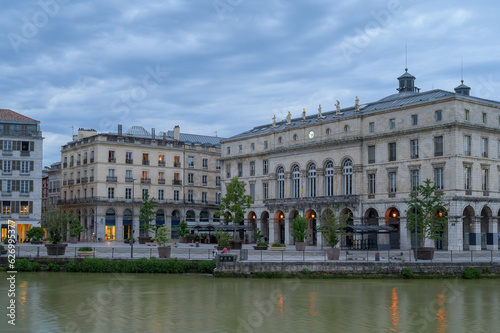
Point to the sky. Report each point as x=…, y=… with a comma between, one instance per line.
x=221, y=67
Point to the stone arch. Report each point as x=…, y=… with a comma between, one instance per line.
x=264, y=225
x=110, y=224
x=486, y=227
x=468, y=218
x=392, y=219
x=371, y=216
x=279, y=227
x=190, y=217
x=312, y=232
x=204, y=216
x=127, y=223
x=160, y=218
x=174, y=221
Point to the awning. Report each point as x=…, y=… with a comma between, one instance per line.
x=362, y=229
x=209, y=227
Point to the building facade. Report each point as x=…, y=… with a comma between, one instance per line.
x=367, y=158
x=53, y=184
x=106, y=175
x=21, y=145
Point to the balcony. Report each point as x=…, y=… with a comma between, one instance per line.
x=71, y=164
x=65, y=165
x=6, y=152
x=65, y=182
x=145, y=180
x=145, y=162
x=111, y=179
x=177, y=164
x=85, y=180
x=162, y=164
x=25, y=153
x=84, y=161
x=71, y=182
x=323, y=200
x=129, y=180
x=129, y=161
x=176, y=182
x=91, y=160
x=78, y=180
x=161, y=181
x=91, y=178
x=6, y=194
x=78, y=162
x=112, y=160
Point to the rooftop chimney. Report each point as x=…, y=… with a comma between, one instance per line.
x=177, y=132
x=119, y=130
x=153, y=133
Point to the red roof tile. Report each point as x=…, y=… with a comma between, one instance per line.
x=9, y=115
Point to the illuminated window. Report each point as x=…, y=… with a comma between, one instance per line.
x=23, y=210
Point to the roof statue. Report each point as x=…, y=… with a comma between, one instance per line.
x=338, y=108
x=303, y=115
x=289, y=119
x=356, y=104
x=320, y=116
x=274, y=121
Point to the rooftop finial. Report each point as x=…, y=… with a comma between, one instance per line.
x=406, y=57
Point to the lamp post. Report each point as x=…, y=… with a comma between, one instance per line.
x=132, y=226
x=416, y=230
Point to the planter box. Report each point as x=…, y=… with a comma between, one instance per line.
x=56, y=249
x=164, y=252
x=143, y=240
x=73, y=239
x=36, y=242
x=333, y=253
x=424, y=253
x=151, y=243
x=85, y=253
x=235, y=244
x=300, y=246
x=260, y=248
x=281, y=248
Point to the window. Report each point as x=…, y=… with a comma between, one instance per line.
x=24, y=209
x=415, y=179
x=414, y=148
x=145, y=193
x=371, y=154
x=7, y=146
x=280, y=188
x=467, y=115
x=439, y=178
x=484, y=147
x=111, y=175
x=205, y=163
x=371, y=183
x=190, y=196
x=7, y=167
x=145, y=177
x=328, y=131
x=438, y=146
x=252, y=146
x=467, y=145
x=161, y=195
x=346, y=128
x=280, y=139
x=176, y=195
x=240, y=169
x=217, y=181
x=25, y=186
x=204, y=180
x=414, y=119
x=392, y=123
x=128, y=176
x=128, y=194
x=240, y=148
x=329, y=179
x=6, y=207
x=204, y=197
x=217, y=165
x=484, y=177
x=392, y=182
x=145, y=159
x=111, y=157
x=6, y=186
x=296, y=181
x=265, y=168
x=295, y=137
x=347, y=177
x=439, y=115
x=111, y=193
x=161, y=160
x=228, y=171
x=217, y=198
x=392, y=151
x=161, y=177
x=191, y=162
x=467, y=178
x=91, y=156
x=229, y=150
x=266, y=145
x=265, y=188
x=311, y=180
x=252, y=191
x=252, y=168
x=484, y=118
x=190, y=178
x=177, y=161
x=372, y=127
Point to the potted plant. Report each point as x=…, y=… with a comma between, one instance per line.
x=128, y=240
x=246, y=238
x=299, y=231
x=278, y=247
x=56, y=222
x=233, y=206
x=75, y=228
x=162, y=238
x=147, y=215
x=222, y=239
x=430, y=219
x=260, y=245
x=85, y=251
x=3, y=250
x=183, y=231
x=36, y=235
x=333, y=227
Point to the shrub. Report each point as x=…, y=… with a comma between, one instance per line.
x=277, y=245
x=85, y=248
x=471, y=273
x=35, y=234
x=407, y=273
x=305, y=271
x=72, y=266
x=53, y=267
x=24, y=265
x=206, y=266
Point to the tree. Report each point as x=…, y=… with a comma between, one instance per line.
x=56, y=222
x=36, y=234
x=75, y=228
x=431, y=213
x=333, y=226
x=147, y=213
x=162, y=236
x=183, y=229
x=299, y=228
x=234, y=203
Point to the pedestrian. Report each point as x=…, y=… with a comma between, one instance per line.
x=215, y=252
x=224, y=250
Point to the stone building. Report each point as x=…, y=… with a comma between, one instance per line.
x=367, y=158
x=53, y=184
x=106, y=175
x=21, y=172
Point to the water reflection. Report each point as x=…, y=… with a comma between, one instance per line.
x=63, y=302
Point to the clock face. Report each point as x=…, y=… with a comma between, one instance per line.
x=311, y=134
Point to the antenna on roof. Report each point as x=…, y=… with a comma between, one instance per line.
x=462, y=69
x=215, y=133
x=406, y=56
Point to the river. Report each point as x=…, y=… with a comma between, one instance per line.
x=82, y=302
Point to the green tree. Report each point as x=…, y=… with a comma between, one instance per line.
x=234, y=203
x=35, y=234
x=333, y=226
x=431, y=214
x=299, y=228
x=147, y=214
x=162, y=236
x=56, y=222
x=183, y=229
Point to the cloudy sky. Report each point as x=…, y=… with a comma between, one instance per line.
x=226, y=66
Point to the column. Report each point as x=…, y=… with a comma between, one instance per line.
x=271, y=231
x=492, y=235
x=475, y=234
x=288, y=238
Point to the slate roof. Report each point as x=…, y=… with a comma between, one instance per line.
x=390, y=102
x=9, y=115
x=195, y=139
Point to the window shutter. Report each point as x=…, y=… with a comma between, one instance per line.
x=32, y=146
x=16, y=145
x=30, y=207
x=15, y=185
x=16, y=165
x=15, y=207
x=31, y=186
x=0, y=184
x=1, y=164
x=1, y=144
x=32, y=165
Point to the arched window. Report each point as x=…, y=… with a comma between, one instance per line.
x=329, y=178
x=347, y=177
x=190, y=216
x=160, y=217
x=204, y=216
x=328, y=131
x=280, y=188
x=346, y=128
x=295, y=137
x=295, y=181
x=311, y=180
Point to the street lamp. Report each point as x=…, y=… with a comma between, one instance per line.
x=132, y=226
x=416, y=230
